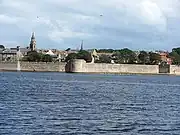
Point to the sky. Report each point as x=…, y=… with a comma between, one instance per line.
x=62, y=24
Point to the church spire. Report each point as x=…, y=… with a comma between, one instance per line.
x=81, y=46
x=33, y=42
x=33, y=36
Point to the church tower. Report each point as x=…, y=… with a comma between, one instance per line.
x=81, y=46
x=33, y=42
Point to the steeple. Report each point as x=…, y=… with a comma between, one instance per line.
x=33, y=36
x=81, y=46
x=33, y=42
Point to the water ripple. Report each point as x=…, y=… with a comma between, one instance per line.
x=53, y=103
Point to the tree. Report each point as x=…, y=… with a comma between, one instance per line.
x=105, y=51
x=2, y=47
x=175, y=57
x=46, y=58
x=33, y=56
x=80, y=55
x=154, y=58
x=71, y=56
x=103, y=59
x=143, y=57
x=84, y=55
x=125, y=56
x=177, y=50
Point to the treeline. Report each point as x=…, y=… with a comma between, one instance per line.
x=126, y=56
x=80, y=55
x=34, y=56
x=122, y=56
x=175, y=56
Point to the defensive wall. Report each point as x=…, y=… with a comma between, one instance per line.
x=80, y=66
x=175, y=69
x=34, y=66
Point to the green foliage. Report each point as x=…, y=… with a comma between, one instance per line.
x=154, y=58
x=71, y=56
x=105, y=51
x=177, y=50
x=125, y=56
x=80, y=55
x=143, y=57
x=84, y=55
x=175, y=55
x=103, y=59
x=34, y=56
x=46, y=58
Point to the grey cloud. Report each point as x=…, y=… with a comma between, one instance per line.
x=136, y=24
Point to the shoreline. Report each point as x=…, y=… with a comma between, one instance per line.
x=11, y=70
x=100, y=73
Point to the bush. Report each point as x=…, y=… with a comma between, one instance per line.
x=80, y=55
x=46, y=58
x=34, y=56
x=103, y=59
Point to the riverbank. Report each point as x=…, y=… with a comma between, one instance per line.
x=79, y=66
x=33, y=66
x=110, y=73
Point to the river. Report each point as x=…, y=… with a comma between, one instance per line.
x=59, y=103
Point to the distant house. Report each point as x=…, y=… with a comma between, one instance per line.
x=165, y=58
x=23, y=51
x=169, y=61
x=51, y=54
x=9, y=54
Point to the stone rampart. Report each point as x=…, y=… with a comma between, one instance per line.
x=80, y=66
x=34, y=66
x=174, y=69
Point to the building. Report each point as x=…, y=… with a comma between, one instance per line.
x=165, y=58
x=10, y=54
x=32, y=44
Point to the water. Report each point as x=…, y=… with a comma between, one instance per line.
x=57, y=103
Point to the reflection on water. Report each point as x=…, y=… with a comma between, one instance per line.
x=56, y=103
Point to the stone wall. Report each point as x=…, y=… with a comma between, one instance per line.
x=8, y=66
x=122, y=68
x=175, y=70
x=80, y=66
x=33, y=66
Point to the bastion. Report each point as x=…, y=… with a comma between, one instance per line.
x=80, y=66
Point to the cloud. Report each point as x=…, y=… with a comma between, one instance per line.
x=148, y=24
x=4, y=19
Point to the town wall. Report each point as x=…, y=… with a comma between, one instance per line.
x=78, y=66
x=174, y=69
x=34, y=66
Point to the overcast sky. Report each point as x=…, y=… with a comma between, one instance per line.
x=136, y=24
